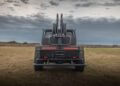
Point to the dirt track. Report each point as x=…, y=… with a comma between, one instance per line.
x=16, y=69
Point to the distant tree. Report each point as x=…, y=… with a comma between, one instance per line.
x=114, y=45
x=25, y=43
x=12, y=42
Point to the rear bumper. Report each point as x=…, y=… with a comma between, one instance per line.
x=50, y=64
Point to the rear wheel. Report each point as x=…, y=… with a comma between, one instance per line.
x=38, y=68
x=80, y=68
x=37, y=55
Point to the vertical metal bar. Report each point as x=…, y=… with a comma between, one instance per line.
x=57, y=22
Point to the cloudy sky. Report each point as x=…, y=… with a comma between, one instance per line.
x=95, y=21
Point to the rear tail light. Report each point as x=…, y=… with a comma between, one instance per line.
x=74, y=57
x=70, y=48
x=48, y=48
x=44, y=57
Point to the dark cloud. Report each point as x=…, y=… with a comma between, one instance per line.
x=44, y=6
x=25, y=1
x=80, y=0
x=21, y=23
x=88, y=30
x=84, y=0
x=78, y=5
x=116, y=0
x=11, y=8
x=17, y=5
x=111, y=4
x=1, y=4
x=108, y=4
x=88, y=4
x=23, y=29
x=11, y=1
x=74, y=0
x=53, y=3
x=95, y=31
x=107, y=8
x=71, y=11
x=61, y=0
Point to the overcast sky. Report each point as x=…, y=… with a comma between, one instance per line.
x=95, y=21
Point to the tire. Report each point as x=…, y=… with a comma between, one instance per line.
x=37, y=55
x=80, y=68
x=38, y=68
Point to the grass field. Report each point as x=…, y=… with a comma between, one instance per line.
x=16, y=69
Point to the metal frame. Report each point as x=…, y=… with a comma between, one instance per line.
x=59, y=64
x=58, y=58
x=50, y=63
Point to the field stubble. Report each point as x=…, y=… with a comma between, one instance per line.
x=16, y=69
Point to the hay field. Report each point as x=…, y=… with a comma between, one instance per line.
x=16, y=69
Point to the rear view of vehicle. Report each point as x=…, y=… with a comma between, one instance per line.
x=59, y=48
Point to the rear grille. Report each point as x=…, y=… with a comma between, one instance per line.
x=59, y=54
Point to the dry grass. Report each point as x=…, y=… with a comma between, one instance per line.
x=16, y=69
